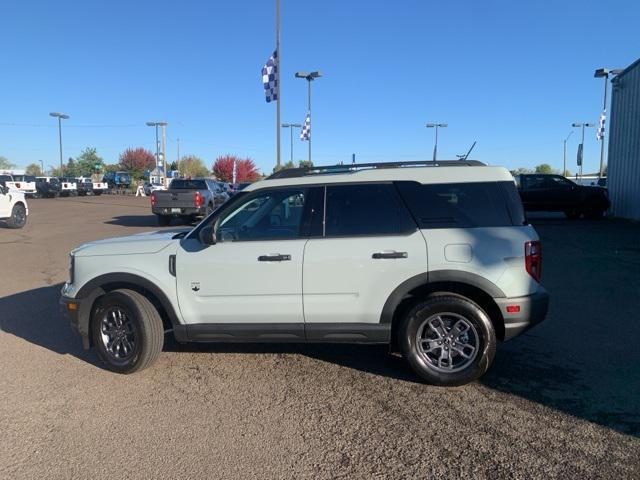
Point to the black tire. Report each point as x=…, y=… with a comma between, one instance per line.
x=97, y=193
x=18, y=218
x=164, y=220
x=450, y=309
x=144, y=332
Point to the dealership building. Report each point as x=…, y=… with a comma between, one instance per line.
x=623, y=171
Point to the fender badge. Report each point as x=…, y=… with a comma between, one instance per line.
x=195, y=286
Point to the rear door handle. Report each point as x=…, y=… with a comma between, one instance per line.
x=393, y=254
x=275, y=257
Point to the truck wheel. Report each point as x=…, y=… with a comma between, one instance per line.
x=448, y=340
x=18, y=218
x=127, y=331
x=164, y=220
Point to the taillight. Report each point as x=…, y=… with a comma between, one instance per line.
x=198, y=199
x=153, y=199
x=533, y=259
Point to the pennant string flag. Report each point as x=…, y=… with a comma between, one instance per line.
x=305, y=133
x=270, y=78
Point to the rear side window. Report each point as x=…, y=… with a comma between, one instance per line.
x=367, y=209
x=462, y=205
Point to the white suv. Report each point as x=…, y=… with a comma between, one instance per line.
x=13, y=206
x=435, y=260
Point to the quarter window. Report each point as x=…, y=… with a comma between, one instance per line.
x=462, y=205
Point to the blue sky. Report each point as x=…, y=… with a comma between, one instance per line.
x=512, y=75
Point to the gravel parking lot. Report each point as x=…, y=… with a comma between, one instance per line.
x=563, y=400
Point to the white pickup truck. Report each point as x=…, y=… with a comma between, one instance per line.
x=23, y=183
x=13, y=207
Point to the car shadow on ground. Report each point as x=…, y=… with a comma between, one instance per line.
x=525, y=367
x=35, y=317
x=150, y=221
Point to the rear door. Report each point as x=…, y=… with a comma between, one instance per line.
x=369, y=246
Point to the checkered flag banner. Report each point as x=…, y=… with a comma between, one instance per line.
x=270, y=78
x=603, y=120
x=305, y=133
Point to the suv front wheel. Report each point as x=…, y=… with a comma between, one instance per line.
x=448, y=340
x=127, y=331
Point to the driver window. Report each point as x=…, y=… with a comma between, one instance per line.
x=273, y=215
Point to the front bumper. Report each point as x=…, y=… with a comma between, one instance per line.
x=531, y=310
x=77, y=312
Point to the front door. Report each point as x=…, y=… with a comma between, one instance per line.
x=253, y=274
x=369, y=247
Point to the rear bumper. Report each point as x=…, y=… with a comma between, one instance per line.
x=183, y=211
x=531, y=310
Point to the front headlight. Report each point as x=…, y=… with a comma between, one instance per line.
x=72, y=267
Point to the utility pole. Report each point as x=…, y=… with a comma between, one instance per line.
x=435, y=146
x=279, y=99
x=564, y=161
x=164, y=152
x=60, y=116
x=580, y=157
x=309, y=77
x=291, y=126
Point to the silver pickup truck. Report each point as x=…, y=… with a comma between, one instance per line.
x=187, y=198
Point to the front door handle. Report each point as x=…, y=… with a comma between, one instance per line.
x=392, y=254
x=274, y=257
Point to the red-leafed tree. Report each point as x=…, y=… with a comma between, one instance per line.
x=246, y=170
x=136, y=161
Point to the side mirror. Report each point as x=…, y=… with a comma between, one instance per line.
x=208, y=236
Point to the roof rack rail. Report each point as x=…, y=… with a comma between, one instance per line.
x=355, y=167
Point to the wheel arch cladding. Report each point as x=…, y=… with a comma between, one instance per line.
x=98, y=286
x=465, y=284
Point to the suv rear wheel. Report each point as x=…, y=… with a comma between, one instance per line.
x=448, y=340
x=127, y=331
x=18, y=217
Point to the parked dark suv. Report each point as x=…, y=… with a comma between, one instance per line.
x=555, y=193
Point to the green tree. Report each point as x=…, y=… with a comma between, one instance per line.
x=305, y=164
x=192, y=166
x=71, y=169
x=34, y=169
x=87, y=161
x=567, y=173
x=5, y=164
x=544, y=168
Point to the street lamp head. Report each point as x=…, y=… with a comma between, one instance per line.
x=430, y=125
x=443, y=125
x=308, y=76
x=59, y=115
x=575, y=124
x=296, y=125
x=151, y=124
x=315, y=74
x=302, y=74
x=286, y=125
x=589, y=124
x=602, y=72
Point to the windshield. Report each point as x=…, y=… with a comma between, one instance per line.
x=188, y=185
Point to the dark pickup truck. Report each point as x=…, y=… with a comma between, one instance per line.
x=187, y=198
x=555, y=193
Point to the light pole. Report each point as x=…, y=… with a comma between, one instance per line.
x=564, y=161
x=581, y=146
x=60, y=116
x=604, y=73
x=164, y=160
x=41, y=167
x=309, y=77
x=291, y=126
x=435, y=146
